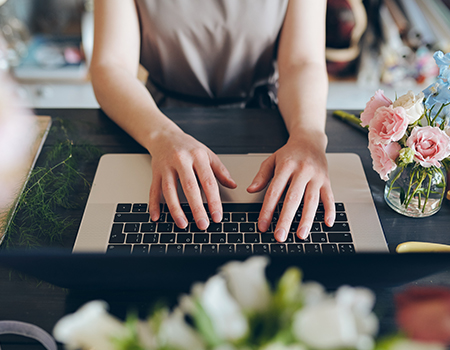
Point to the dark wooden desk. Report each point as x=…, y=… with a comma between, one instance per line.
x=25, y=299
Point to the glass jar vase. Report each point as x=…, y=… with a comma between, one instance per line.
x=416, y=191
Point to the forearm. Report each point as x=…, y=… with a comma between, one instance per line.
x=302, y=97
x=127, y=101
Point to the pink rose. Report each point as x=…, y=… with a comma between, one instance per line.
x=423, y=313
x=376, y=101
x=383, y=158
x=388, y=125
x=430, y=145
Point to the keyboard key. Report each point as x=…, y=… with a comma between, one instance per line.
x=201, y=238
x=151, y=238
x=243, y=248
x=290, y=238
x=219, y=238
x=117, y=238
x=346, y=248
x=192, y=249
x=316, y=227
x=174, y=249
x=139, y=208
x=132, y=217
x=337, y=227
x=329, y=249
x=167, y=238
x=226, y=217
x=235, y=238
x=341, y=216
x=177, y=229
x=148, y=227
x=209, y=249
x=319, y=237
x=278, y=248
x=119, y=249
x=261, y=249
x=140, y=249
x=252, y=237
x=252, y=217
x=164, y=227
x=340, y=237
x=238, y=217
x=194, y=228
x=184, y=238
x=226, y=248
x=117, y=228
x=123, y=208
x=230, y=227
x=132, y=227
x=214, y=227
x=268, y=238
x=157, y=249
x=312, y=249
x=248, y=227
x=295, y=248
x=339, y=206
x=134, y=238
x=306, y=240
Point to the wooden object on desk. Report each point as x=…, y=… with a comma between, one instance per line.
x=43, y=124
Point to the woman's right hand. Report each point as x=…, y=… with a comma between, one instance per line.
x=178, y=156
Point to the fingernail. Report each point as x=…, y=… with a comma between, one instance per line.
x=154, y=216
x=263, y=225
x=303, y=233
x=280, y=234
x=181, y=222
x=202, y=224
x=329, y=221
x=216, y=216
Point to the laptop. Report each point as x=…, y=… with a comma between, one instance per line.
x=116, y=218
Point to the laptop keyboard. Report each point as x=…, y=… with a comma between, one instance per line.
x=133, y=232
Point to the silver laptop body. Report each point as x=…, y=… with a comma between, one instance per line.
x=126, y=178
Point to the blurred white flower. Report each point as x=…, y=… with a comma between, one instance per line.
x=343, y=321
x=281, y=346
x=313, y=293
x=247, y=283
x=413, y=105
x=174, y=332
x=407, y=344
x=91, y=327
x=225, y=313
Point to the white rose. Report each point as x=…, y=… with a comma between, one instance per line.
x=413, y=105
x=247, y=282
x=174, y=332
x=343, y=321
x=90, y=327
x=225, y=313
x=407, y=344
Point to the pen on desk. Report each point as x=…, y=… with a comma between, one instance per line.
x=350, y=119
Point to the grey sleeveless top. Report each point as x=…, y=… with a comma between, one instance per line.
x=210, y=49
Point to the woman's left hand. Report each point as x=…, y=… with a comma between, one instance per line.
x=299, y=169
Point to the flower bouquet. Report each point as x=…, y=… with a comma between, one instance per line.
x=238, y=310
x=409, y=141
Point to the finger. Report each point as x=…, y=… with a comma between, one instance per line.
x=211, y=190
x=193, y=195
x=326, y=194
x=263, y=176
x=291, y=203
x=169, y=189
x=310, y=204
x=221, y=172
x=271, y=199
x=155, y=198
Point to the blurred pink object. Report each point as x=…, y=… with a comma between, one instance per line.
x=423, y=313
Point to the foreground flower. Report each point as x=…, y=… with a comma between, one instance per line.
x=384, y=157
x=247, y=283
x=91, y=327
x=412, y=104
x=376, y=101
x=443, y=62
x=388, y=125
x=430, y=145
x=345, y=321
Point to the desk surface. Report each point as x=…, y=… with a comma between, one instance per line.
x=25, y=299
